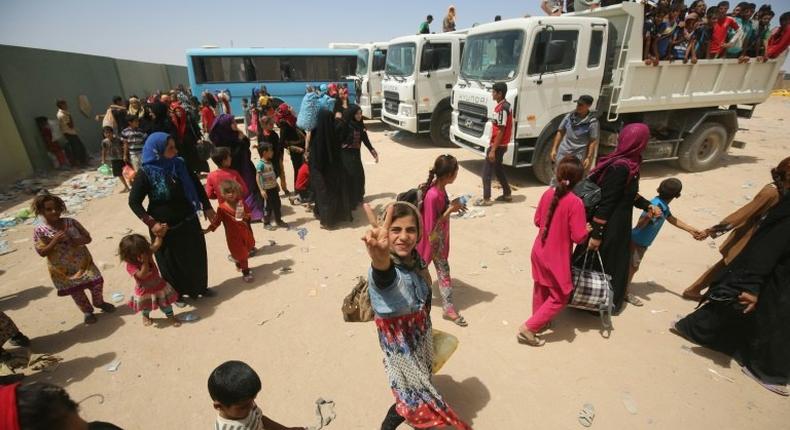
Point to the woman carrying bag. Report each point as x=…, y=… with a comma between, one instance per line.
x=618, y=176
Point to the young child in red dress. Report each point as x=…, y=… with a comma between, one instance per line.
x=222, y=158
x=234, y=214
x=150, y=290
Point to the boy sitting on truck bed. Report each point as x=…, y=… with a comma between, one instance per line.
x=720, y=25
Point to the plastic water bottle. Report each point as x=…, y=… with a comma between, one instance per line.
x=239, y=211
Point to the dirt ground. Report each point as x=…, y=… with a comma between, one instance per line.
x=288, y=326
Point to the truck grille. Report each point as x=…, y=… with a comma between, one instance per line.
x=472, y=118
x=391, y=102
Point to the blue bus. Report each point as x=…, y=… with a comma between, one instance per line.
x=284, y=72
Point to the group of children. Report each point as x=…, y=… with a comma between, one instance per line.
x=676, y=32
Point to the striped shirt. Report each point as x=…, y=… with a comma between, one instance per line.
x=135, y=138
x=253, y=421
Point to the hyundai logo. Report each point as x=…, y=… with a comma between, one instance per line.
x=468, y=123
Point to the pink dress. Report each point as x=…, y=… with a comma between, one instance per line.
x=551, y=260
x=151, y=292
x=437, y=233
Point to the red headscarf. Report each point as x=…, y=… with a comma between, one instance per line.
x=331, y=89
x=8, y=409
x=179, y=118
x=284, y=114
x=631, y=142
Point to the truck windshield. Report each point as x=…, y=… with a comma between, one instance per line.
x=492, y=56
x=400, y=59
x=362, y=62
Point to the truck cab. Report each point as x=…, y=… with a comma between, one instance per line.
x=419, y=77
x=370, y=72
x=548, y=62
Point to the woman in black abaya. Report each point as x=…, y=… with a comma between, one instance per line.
x=327, y=176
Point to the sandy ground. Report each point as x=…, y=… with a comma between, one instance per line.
x=305, y=350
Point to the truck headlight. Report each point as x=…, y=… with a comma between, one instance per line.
x=406, y=110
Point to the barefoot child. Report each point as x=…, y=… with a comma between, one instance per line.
x=62, y=241
x=647, y=228
x=561, y=221
x=233, y=386
x=435, y=244
x=150, y=290
x=234, y=214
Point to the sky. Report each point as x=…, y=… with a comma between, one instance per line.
x=160, y=31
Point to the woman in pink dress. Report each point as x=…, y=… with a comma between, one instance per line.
x=561, y=221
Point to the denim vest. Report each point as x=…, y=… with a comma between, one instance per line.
x=408, y=294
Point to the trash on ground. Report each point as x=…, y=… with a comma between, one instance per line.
x=5, y=248
x=285, y=270
x=727, y=378
x=301, y=232
x=587, y=415
x=503, y=251
x=630, y=404
x=658, y=311
x=504, y=322
x=483, y=265
x=312, y=293
x=279, y=314
x=113, y=366
x=188, y=317
x=324, y=412
x=117, y=297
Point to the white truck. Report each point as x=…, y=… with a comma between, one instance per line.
x=370, y=72
x=420, y=73
x=548, y=62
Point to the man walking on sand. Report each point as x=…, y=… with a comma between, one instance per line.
x=75, y=150
x=501, y=133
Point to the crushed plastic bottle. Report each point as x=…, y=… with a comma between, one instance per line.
x=301, y=232
x=188, y=317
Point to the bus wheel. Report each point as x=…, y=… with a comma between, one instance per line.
x=440, y=128
x=702, y=149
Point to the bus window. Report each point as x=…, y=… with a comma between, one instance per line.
x=379, y=60
x=267, y=68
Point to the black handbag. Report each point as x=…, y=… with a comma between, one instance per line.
x=590, y=193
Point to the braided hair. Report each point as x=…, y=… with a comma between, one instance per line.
x=569, y=173
x=444, y=165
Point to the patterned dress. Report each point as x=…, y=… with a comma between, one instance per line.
x=7, y=329
x=151, y=292
x=70, y=266
x=407, y=343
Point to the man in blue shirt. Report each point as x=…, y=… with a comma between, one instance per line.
x=647, y=228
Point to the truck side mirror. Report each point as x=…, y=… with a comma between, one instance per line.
x=555, y=51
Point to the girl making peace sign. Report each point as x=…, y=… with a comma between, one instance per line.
x=401, y=298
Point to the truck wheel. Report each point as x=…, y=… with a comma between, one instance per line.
x=440, y=128
x=542, y=167
x=702, y=149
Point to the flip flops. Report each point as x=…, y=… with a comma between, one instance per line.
x=458, y=320
x=634, y=300
x=774, y=388
x=525, y=340
x=587, y=415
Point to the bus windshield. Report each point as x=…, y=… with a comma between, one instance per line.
x=362, y=62
x=400, y=59
x=492, y=56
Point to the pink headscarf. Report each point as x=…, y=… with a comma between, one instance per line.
x=631, y=142
x=9, y=418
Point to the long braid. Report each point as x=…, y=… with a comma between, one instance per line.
x=559, y=193
x=569, y=173
x=431, y=176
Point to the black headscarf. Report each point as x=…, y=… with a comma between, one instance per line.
x=350, y=120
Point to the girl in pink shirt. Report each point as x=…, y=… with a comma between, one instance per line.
x=435, y=243
x=561, y=221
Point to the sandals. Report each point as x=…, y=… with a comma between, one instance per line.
x=634, y=300
x=774, y=388
x=483, y=202
x=90, y=319
x=531, y=341
x=545, y=328
x=458, y=320
x=505, y=199
x=587, y=415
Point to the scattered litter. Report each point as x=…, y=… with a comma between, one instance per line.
x=312, y=293
x=279, y=314
x=117, y=297
x=97, y=395
x=8, y=222
x=285, y=270
x=630, y=404
x=503, y=251
x=4, y=248
x=473, y=273
x=712, y=244
x=471, y=213
x=324, y=412
x=726, y=378
x=658, y=311
x=113, y=366
x=587, y=415
x=483, y=265
x=188, y=317
x=301, y=232
x=272, y=243
x=747, y=185
x=504, y=322
x=24, y=214
x=322, y=285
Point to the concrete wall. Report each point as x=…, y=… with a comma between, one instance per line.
x=14, y=163
x=32, y=79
